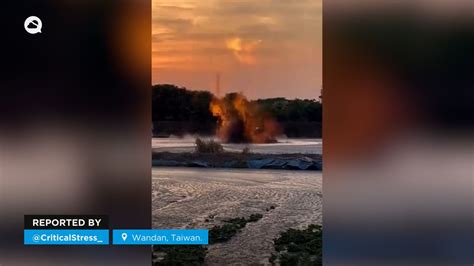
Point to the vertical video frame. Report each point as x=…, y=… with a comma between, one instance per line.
x=237, y=130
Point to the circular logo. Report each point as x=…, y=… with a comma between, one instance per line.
x=33, y=25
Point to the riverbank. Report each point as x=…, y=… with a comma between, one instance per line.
x=238, y=160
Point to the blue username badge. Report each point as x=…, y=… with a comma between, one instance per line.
x=66, y=237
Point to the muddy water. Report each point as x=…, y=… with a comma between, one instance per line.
x=202, y=198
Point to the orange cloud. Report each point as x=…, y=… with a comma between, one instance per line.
x=244, y=51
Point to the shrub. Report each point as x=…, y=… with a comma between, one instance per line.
x=223, y=233
x=299, y=247
x=255, y=217
x=180, y=255
x=241, y=222
x=210, y=146
x=230, y=228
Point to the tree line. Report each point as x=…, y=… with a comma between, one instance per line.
x=173, y=103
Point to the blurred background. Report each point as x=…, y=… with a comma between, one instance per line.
x=75, y=128
x=74, y=123
x=398, y=148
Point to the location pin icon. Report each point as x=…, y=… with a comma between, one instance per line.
x=124, y=236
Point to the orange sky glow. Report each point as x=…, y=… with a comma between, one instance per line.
x=265, y=48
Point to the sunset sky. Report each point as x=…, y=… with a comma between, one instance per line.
x=264, y=48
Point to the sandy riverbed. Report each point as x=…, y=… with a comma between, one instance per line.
x=202, y=198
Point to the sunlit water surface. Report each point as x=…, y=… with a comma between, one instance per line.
x=287, y=145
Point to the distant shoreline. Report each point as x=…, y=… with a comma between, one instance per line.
x=238, y=160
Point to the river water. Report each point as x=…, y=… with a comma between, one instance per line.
x=284, y=145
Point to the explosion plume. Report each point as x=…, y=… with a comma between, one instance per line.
x=242, y=121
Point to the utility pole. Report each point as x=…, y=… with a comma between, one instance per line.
x=218, y=84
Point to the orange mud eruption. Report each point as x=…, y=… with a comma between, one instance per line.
x=242, y=121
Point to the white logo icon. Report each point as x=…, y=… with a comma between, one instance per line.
x=33, y=25
x=124, y=236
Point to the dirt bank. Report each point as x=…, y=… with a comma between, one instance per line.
x=238, y=160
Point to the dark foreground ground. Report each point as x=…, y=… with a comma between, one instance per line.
x=238, y=160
